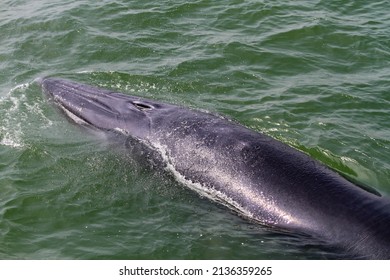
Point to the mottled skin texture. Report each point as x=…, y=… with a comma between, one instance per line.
x=261, y=178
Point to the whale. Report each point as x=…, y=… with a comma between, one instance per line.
x=261, y=179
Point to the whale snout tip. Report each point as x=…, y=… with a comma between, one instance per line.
x=39, y=80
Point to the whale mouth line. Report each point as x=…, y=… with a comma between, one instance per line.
x=76, y=118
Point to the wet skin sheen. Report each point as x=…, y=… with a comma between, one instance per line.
x=262, y=179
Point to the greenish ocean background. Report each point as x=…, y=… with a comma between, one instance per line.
x=312, y=74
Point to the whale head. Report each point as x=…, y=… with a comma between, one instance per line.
x=103, y=109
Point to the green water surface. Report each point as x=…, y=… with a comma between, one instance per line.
x=312, y=74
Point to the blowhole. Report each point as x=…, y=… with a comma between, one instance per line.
x=142, y=106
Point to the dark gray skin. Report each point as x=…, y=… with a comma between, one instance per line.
x=259, y=177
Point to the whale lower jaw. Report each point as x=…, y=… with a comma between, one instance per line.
x=73, y=117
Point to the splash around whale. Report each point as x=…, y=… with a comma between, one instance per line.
x=262, y=179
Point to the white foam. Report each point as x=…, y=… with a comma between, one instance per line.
x=11, y=134
x=21, y=113
x=122, y=131
x=11, y=141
